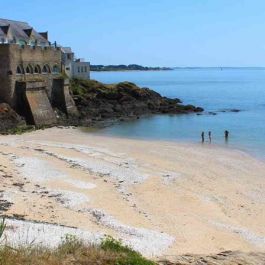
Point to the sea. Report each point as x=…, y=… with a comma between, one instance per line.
x=217, y=90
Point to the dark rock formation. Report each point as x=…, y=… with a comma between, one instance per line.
x=100, y=105
x=98, y=102
x=9, y=119
x=230, y=110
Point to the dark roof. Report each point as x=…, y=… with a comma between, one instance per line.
x=11, y=29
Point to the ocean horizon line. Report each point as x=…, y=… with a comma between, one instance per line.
x=218, y=67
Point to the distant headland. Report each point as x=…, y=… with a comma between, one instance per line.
x=123, y=67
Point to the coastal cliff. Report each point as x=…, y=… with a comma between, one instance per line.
x=98, y=102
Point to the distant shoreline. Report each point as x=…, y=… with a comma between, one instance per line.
x=151, y=70
x=130, y=67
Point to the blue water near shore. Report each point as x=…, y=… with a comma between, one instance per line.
x=215, y=90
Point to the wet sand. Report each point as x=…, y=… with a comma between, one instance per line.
x=161, y=198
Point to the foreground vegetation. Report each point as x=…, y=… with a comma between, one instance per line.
x=71, y=251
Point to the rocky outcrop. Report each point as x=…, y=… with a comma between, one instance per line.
x=95, y=104
x=98, y=102
x=223, y=258
x=9, y=119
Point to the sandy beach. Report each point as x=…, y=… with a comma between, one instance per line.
x=161, y=198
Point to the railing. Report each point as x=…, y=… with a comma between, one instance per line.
x=44, y=47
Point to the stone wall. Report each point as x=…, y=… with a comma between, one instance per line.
x=47, y=60
x=71, y=108
x=61, y=97
x=5, y=77
x=31, y=82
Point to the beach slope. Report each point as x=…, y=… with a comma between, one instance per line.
x=161, y=198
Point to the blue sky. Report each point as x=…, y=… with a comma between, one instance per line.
x=151, y=32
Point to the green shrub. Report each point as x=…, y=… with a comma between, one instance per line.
x=2, y=227
x=70, y=244
x=22, y=129
x=128, y=255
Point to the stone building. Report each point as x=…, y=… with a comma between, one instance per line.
x=74, y=68
x=30, y=74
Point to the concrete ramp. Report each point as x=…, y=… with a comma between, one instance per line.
x=41, y=108
x=38, y=105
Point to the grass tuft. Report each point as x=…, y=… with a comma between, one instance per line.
x=73, y=251
x=127, y=255
x=2, y=227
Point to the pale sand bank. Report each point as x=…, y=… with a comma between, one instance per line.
x=161, y=198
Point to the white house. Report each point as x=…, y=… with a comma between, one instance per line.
x=81, y=69
x=74, y=68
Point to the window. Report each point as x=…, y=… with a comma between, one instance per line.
x=20, y=70
x=29, y=69
x=43, y=44
x=37, y=69
x=22, y=43
x=46, y=69
x=78, y=69
x=85, y=69
x=55, y=69
x=33, y=43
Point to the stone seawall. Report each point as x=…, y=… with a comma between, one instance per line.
x=35, y=63
x=61, y=98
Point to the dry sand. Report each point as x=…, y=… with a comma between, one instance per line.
x=161, y=198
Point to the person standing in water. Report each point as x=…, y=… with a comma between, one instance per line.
x=226, y=135
x=202, y=135
x=210, y=136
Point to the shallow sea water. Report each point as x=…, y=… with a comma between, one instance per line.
x=215, y=90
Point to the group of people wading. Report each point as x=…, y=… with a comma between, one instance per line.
x=210, y=136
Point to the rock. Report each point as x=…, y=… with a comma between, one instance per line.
x=230, y=110
x=9, y=119
x=122, y=101
x=101, y=105
x=235, y=110
x=199, y=109
x=212, y=113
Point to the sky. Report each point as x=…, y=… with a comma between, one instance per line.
x=151, y=32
